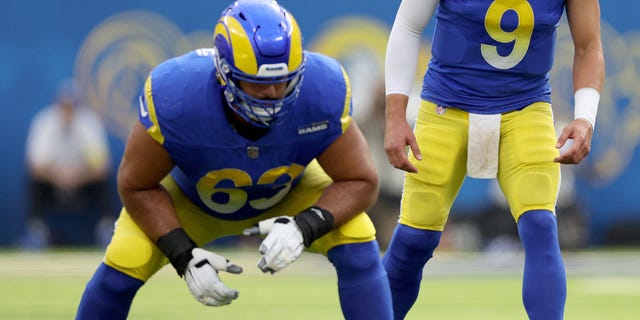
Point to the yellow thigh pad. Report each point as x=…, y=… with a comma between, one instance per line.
x=131, y=251
x=528, y=177
x=428, y=195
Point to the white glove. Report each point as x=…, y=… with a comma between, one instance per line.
x=283, y=244
x=202, y=278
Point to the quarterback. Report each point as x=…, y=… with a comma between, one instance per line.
x=252, y=136
x=486, y=113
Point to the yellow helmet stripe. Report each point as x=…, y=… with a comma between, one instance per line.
x=295, y=50
x=243, y=56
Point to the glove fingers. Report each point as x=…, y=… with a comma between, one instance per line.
x=218, y=297
x=281, y=247
x=266, y=244
x=269, y=261
x=208, y=301
x=284, y=257
x=234, y=268
x=213, y=300
x=265, y=226
x=262, y=264
x=272, y=252
x=224, y=293
x=221, y=263
x=206, y=287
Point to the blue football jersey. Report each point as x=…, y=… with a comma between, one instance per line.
x=492, y=56
x=225, y=174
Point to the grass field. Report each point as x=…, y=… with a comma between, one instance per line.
x=48, y=285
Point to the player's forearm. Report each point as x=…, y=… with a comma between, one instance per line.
x=346, y=199
x=144, y=164
x=396, y=107
x=588, y=61
x=151, y=209
x=588, y=68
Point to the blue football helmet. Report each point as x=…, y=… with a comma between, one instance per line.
x=258, y=41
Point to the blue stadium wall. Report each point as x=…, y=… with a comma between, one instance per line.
x=111, y=45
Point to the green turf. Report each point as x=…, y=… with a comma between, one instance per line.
x=49, y=285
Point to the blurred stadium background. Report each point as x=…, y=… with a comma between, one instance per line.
x=110, y=47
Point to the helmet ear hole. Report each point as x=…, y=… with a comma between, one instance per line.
x=258, y=41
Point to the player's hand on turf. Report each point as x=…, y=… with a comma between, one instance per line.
x=283, y=244
x=202, y=278
x=580, y=131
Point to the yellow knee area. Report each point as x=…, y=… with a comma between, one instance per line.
x=423, y=209
x=130, y=255
x=535, y=191
x=358, y=229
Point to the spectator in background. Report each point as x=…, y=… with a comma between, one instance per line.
x=68, y=163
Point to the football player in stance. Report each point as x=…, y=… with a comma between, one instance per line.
x=254, y=135
x=486, y=113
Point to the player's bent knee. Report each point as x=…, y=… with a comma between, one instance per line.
x=419, y=210
x=133, y=256
x=357, y=262
x=360, y=227
x=357, y=230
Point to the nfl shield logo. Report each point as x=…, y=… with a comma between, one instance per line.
x=440, y=109
x=252, y=152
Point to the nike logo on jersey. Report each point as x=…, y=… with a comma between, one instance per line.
x=143, y=111
x=314, y=127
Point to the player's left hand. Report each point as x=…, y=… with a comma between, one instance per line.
x=580, y=131
x=282, y=246
x=203, y=281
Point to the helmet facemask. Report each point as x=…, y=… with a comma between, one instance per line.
x=261, y=113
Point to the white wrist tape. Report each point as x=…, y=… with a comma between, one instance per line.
x=586, y=105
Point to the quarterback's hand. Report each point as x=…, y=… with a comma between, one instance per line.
x=399, y=134
x=580, y=132
x=202, y=278
x=283, y=244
